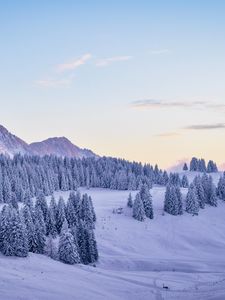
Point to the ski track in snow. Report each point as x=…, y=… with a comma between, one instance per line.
x=136, y=259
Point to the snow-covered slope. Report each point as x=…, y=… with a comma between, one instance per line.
x=137, y=259
x=11, y=144
x=59, y=146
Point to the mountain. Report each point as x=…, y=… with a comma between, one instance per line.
x=59, y=146
x=11, y=144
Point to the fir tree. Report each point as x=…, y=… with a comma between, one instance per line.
x=221, y=188
x=130, y=201
x=60, y=214
x=184, y=181
x=40, y=231
x=51, y=248
x=192, y=203
x=173, y=200
x=199, y=191
x=185, y=167
x=42, y=203
x=138, y=209
x=68, y=253
x=147, y=201
x=28, y=221
x=51, y=223
x=212, y=193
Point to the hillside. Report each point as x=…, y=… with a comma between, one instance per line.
x=59, y=146
x=184, y=253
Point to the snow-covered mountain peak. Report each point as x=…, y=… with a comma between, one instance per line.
x=59, y=146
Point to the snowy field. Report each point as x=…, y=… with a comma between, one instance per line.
x=136, y=259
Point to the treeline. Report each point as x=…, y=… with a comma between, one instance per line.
x=201, y=192
x=200, y=166
x=23, y=175
x=61, y=230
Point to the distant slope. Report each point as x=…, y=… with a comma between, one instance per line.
x=59, y=146
x=11, y=144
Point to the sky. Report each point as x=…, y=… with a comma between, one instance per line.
x=140, y=80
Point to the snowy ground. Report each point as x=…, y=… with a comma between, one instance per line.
x=184, y=253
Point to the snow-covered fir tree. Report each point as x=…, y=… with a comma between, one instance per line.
x=192, y=203
x=40, y=230
x=184, y=181
x=185, y=167
x=51, y=248
x=147, y=201
x=221, y=187
x=130, y=201
x=173, y=200
x=199, y=191
x=68, y=252
x=212, y=193
x=138, y=208
x=60, y=214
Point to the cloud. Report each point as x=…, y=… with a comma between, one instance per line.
x=151, y=104
x=54, y=83
x=168, y=134
x=74, y=64
x=108, y=61
x=159, y=51
x=206, y=126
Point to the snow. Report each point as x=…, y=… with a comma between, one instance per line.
x=184, y=253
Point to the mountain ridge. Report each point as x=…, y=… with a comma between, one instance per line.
x=10, y=145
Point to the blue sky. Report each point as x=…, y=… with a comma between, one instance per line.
x=143, y=80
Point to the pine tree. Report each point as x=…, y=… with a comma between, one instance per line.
x=138, y=209
x=173, y=200
x=199, y=191
x=130, y=201
x=194, y=164
x=179, y=200
x=13, y=235
x=71, y=215
x=94, y=217
x=60, y=215
x=185, y=167
x=147, y=201
x=40, y=231
x=184, y=181
x=42, y=203
x=51, y=248
x=92, y=251
x=51, y=223
x=86, y=213
x=82, y=241
x=221, y=188
x=29, y=227
x=7, y=191
x=192, y=203
x=68, y=252
x=65, y=227
x=212, y=193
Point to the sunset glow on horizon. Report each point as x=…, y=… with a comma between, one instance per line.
x=140, y=80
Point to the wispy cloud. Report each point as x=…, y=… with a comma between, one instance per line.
x=74, y=64
x=54, y=83
x=167, y=134
x=108, y=61
x=149, y=104
x=159, y=51
x=152, y=103
x=206, y=126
